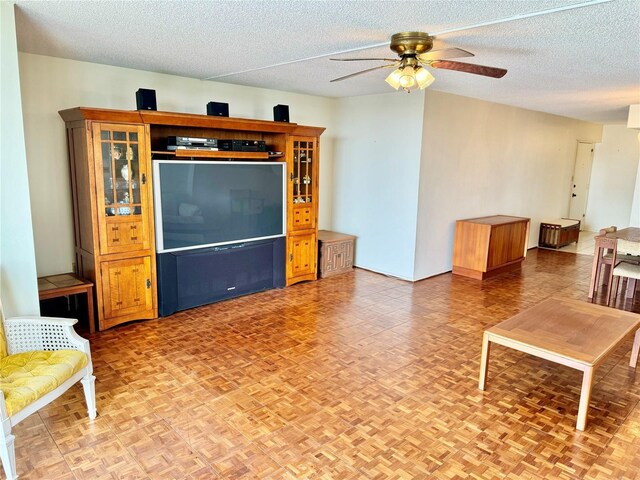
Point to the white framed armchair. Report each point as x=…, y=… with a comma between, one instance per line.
x=40, y=359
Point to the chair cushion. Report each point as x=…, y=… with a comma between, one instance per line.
x=628, y=270
x=26, y=377
x=623, y=257
x=562, y=222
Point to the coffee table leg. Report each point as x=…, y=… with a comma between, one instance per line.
x=484, y=360
x=636, y=349
x=585, y=396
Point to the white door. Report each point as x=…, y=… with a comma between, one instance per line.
x=581, y=179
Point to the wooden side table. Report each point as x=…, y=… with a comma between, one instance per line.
x=336, y=253
x=54, y=286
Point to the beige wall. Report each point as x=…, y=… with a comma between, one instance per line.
x=481, y=158
x=397, y=183
x=613, y=178
x=52, y=84
x=375, y=184
x=18, y=282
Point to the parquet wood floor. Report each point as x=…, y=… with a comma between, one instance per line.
x=357, y=376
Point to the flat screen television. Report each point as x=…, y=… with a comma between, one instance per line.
x=209, y=203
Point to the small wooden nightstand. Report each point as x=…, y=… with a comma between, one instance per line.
x=336, y=253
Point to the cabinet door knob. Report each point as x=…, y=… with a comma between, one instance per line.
x=143, y=179
x=291, y=257
x=148, y=283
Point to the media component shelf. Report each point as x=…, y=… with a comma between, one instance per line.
x=214, y=154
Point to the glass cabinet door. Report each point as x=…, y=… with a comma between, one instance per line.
x=121, y=187
x=303, y=176
x=121, y=172
x=303, y=196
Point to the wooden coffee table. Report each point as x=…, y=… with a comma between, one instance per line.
x=576, y=334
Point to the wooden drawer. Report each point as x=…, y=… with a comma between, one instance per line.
x=303, y=217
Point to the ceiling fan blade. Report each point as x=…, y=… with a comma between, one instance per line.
x=361, y=72
x=445, y=53
x=359, y=59
x=470, y=68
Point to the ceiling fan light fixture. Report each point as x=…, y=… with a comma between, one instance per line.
x=408, y=78
x=394, y=78
x=424, y=78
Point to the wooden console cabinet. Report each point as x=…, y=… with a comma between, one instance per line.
x=111, y=154
x=487, y=246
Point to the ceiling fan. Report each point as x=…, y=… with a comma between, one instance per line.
x=414, y=52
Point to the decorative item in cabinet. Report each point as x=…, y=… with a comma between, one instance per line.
x=487, y=246
x=336, y=251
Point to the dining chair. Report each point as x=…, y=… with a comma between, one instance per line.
x=611, y=229
x=606, y=254
x=626, y=269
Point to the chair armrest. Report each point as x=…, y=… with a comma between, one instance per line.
x=25, y=334
x=42, y=320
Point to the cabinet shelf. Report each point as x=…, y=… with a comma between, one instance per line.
x=214, y=154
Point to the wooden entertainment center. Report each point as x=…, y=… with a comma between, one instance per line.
x=111, y=154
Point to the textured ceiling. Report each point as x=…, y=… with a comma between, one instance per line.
x=582, y=63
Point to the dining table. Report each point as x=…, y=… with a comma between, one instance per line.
x=632, y=234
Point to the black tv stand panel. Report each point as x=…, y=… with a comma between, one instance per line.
x=190, y=278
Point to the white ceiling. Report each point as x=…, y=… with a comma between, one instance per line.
x=582, y=63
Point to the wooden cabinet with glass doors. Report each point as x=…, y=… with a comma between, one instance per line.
x=302, y=237
x=113, y=216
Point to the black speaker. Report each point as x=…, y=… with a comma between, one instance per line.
x=146, y=99
x=218, y=109
x=281, y=113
